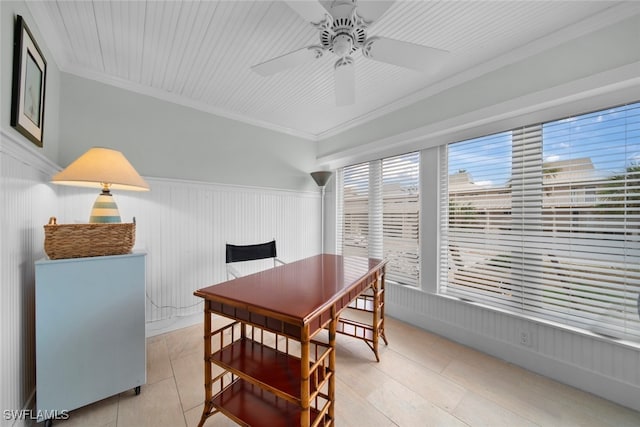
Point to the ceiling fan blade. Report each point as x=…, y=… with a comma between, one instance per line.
x=345, y=81
x=288, y=60
x=404, y=54
x=371, y=10
x=311, y=11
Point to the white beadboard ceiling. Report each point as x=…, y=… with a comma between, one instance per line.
x=199, y=53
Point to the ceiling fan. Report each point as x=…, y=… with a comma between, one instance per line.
x=343, y=30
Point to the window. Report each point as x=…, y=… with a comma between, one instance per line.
x=379, y=213
x=545, y=221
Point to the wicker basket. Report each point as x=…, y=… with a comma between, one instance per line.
x=87, y=240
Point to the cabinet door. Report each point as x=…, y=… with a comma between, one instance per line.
x=90, y=329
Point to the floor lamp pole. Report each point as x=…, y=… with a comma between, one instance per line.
x=321, y=178
x=321, y=220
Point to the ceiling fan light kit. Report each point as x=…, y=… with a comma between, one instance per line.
x=343, y=31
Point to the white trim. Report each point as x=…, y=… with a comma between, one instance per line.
x=597, y=91
x=236, y=188
x=591, y=24
x=30, y=403
x=26, y=152
x=586, y=26
x=57, y=48
x=181, y=100
x=163, y=326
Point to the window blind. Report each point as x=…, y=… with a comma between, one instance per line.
x=355, y=210
x=401, y=208
x=545, y=220
x=379, y=213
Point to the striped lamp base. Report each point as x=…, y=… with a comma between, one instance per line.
x=105, y=210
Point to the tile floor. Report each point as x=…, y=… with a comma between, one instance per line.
x=421, y=380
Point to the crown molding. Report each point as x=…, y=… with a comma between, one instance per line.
x=234, y=188
x=183, y=101
x=601, y=90
x=594, y=23
x=586, y=26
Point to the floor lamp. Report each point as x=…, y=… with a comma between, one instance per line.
x=321, y=178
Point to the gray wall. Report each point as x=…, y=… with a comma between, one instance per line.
x=9, y=10
x=166, y=140
x=607, y=49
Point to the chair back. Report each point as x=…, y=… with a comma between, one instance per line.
x=237, y=253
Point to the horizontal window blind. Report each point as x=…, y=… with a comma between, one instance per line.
x=379, y=213
x=355, y=214
x=545, y=220
x=400, y=222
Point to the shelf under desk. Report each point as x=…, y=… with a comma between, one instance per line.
x=263, y=384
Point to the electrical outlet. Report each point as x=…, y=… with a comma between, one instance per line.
x=525, y=338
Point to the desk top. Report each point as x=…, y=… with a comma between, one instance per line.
x=298, y=290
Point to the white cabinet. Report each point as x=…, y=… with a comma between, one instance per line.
x=90, y=330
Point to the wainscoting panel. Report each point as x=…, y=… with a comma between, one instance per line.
x=183, y=226
x=26, y=201
x=589, y=362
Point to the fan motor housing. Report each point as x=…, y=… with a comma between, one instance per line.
x=346, y=23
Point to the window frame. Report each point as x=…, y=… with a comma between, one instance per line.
x=514, y=303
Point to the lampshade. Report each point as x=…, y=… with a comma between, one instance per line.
x=102, y=165
x=102, y=168
x=321, y=177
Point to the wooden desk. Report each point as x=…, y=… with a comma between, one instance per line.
x=268, y=366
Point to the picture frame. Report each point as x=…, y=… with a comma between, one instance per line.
x=29, y=84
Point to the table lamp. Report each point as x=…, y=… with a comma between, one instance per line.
x=321, y=178
x=102, y=168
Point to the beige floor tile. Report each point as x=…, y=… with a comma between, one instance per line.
x=157, y=405
x=151, y=340
x=218, y=420
x=99, y=414
x=417, y=345
x=406, y=408
x=473, y=357
x=189, y=375
x=515, y=393
x=395, y=401
x=186, y=341
x=353, y=411
x=437, y=389
x=421, y=380
x=481, y=381
x=479, y=411
x=579, y=405
x=158, y=363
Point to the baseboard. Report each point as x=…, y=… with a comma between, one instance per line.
x=159, y=327
x=27, y=418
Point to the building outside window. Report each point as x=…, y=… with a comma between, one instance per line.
x=378, y=209
x=544, y=221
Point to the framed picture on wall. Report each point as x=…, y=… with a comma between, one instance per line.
x=29, y=78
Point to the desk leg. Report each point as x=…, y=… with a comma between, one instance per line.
x=208, y=392
x=332, y=363
x=305, y=415
x=378, y=313
x=381, y=301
